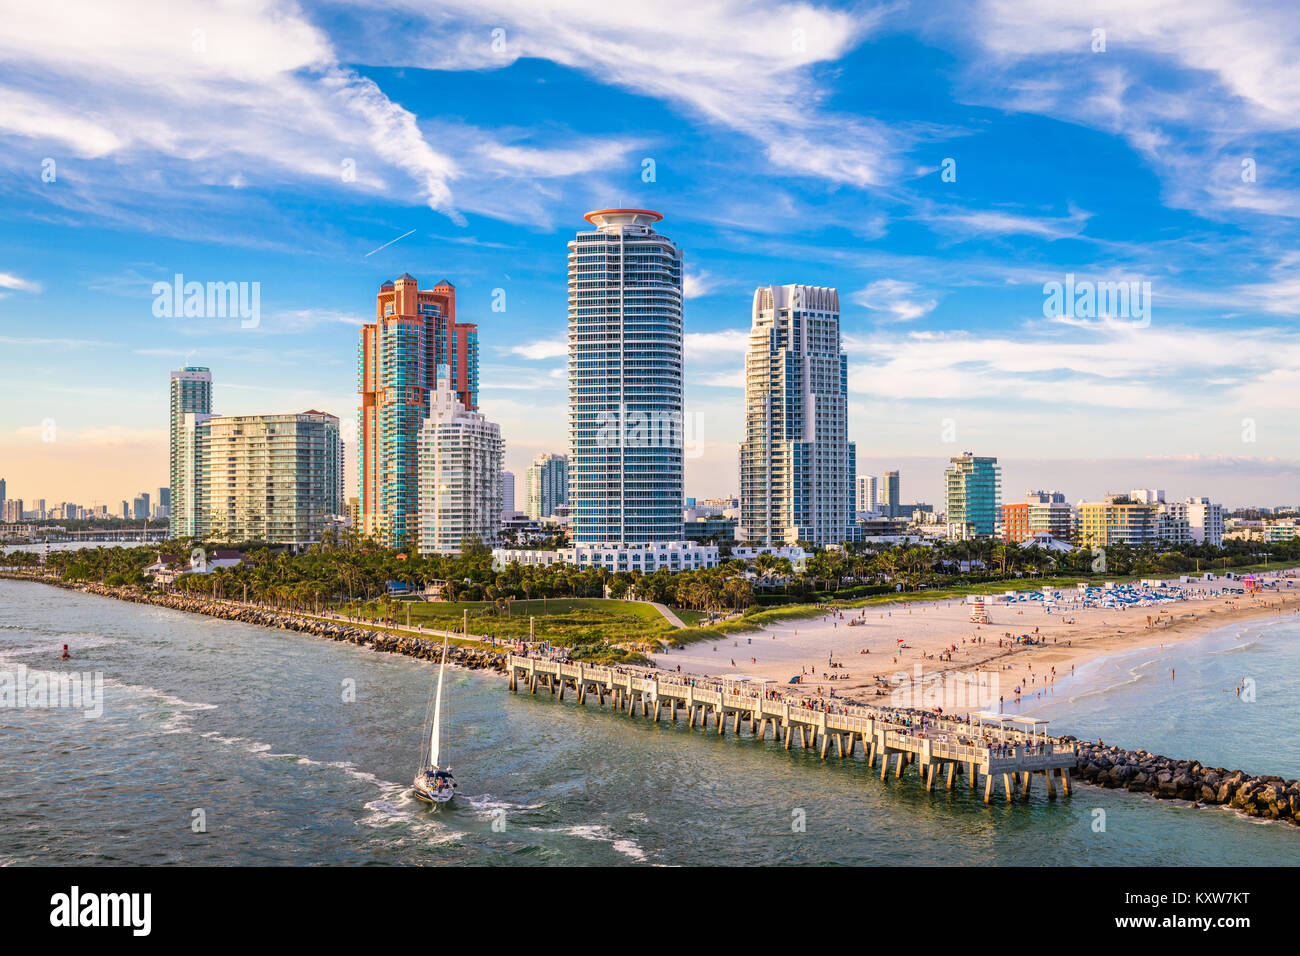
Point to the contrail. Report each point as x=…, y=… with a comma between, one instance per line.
x=386, y=245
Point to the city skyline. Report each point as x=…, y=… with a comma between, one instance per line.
x=818, y=172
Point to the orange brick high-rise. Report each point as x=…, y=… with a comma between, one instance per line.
x=415, y=331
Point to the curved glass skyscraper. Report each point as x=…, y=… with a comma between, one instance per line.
x=625, y=381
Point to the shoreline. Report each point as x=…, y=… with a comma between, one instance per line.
x=1270, y=797
x=387, y=640
x=1089, y=680
x=933, y=641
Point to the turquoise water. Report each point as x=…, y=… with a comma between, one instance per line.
x=1180, y=700
x=250, y=726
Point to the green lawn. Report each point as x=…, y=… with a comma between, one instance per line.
x=566, y=621
x=688, y=617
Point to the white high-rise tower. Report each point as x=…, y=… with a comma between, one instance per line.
x=459, y=474
x=797, y=465
x=625, y=381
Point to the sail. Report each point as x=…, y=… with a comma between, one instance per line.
x=437, y=709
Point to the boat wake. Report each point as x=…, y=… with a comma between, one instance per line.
x=600, y=833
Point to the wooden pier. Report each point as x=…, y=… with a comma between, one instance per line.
x=945, y=748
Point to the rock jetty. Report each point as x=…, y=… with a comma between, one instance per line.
x=1273, y=798
x=421, y=647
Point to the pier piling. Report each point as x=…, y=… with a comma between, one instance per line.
x=1017, y=756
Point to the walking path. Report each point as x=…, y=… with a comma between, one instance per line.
x=668, y=614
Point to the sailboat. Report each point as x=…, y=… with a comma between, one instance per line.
x=433, y=782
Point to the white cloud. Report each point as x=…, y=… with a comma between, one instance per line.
x=747, y=66
x=705, y=344
x=994, y=222
x=241, y=94
x=542, y=349
x=697, y=284
x=10, y=281
x=900, y=299
x=1194, y=86
x=1120, y=368
x=585, y=156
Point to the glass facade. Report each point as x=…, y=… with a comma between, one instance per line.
x=625, y=381
x=273, y=478
x=191, y=394
x=546, y=486
x=974, y=494
x=797, y=465
x=415, y=331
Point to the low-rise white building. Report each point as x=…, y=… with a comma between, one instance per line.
x=1044, y=540
x=169, y=567
x=646, y=558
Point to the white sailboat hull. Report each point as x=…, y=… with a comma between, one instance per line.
x=432, y=791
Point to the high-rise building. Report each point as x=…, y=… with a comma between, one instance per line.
x=14, y=510
x=414, y=333
x=460, y=455
x=126, y=509
x=1116, y=520
x=191, y=394
x=974, y=492
x=868, y=487
x=162, y=507
x=546, y=485
x=888, y=500
x=273, y=478
x=797, y=465
x=3, y=496
x=1202, y=518
x=190, y=505
x=1041, y=511
x=140, y=507
x=507, y=493
x=625, y=381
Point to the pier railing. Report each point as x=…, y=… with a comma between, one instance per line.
x=930, y=741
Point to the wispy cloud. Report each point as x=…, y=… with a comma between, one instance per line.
x=749, y=67
x=697, y=284
x=10, y=281
x=544, y=349
x=900, y=300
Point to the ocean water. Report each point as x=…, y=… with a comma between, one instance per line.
x=250, y=726
x=1181, y=700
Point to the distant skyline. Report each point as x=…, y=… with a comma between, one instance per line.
x=939, y=168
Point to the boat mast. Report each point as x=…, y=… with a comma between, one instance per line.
x=437, y=708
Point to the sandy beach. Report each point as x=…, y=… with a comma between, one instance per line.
x=938, y=638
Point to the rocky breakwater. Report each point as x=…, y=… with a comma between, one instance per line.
x=1273, y=798
x=379, y=640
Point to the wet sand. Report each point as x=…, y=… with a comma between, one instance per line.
x=930, y=629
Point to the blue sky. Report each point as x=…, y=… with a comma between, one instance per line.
x=790, y=143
